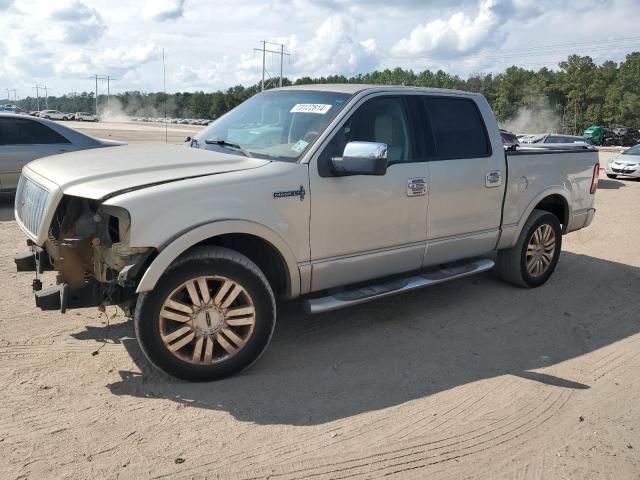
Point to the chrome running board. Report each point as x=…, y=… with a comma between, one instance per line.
x=445, y=273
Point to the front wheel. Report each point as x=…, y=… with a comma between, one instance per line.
x=533, y=259
x=210, y=316
x=612, y=176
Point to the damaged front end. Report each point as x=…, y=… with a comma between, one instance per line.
x=88, y=245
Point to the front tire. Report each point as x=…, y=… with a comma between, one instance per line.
x=210, y=315
x=612, y=176
x=533, y=259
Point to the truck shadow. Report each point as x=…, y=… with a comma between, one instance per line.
x=610, y=184
x=332, y=366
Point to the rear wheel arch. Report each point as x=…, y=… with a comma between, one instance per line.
x=557, y=205
x=554, y=201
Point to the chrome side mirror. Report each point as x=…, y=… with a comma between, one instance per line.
x=361, y=158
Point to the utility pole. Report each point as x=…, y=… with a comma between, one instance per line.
x=281, y=57
x=264, y=51
x=109, y=80
x=97, y=77
x=38, y=87
x=46, y=96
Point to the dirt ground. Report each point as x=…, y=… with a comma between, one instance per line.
x=136, y=132
x=470, y=379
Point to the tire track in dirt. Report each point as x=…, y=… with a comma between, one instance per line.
x=19, y=350
x=395, y=455
x=625, y=355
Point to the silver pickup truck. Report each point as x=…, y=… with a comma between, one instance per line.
x=338, y=193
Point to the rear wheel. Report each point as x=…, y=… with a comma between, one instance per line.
x=533, y=259
x=210, y=316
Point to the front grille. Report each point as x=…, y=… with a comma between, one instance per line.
x=31, y=200
x=623, y=170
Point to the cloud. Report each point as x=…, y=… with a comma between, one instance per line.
x=334, y=49
x=116, y=61
x=6, y=4
x=164, y=10
x=79, y=23
x=457, y=35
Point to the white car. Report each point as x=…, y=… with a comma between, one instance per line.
x=627, y=164
x=54, y=115
x=85, y=117
x=23, y=139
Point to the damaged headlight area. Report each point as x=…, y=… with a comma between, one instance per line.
x=89, y=245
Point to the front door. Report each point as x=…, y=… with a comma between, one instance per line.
x=364, y=227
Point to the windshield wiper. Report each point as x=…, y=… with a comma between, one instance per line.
x=224, y=143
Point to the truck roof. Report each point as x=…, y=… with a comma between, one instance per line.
x=353, y=88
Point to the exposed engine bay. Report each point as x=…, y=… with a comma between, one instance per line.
x=87, y=239
x=88, y=244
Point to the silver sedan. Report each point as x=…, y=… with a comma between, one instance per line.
x=627, y=164
x=23, y=139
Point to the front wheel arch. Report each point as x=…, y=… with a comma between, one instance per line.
x=211, y=234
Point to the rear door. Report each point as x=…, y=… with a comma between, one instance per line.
x=23, y=140
x=466, y=178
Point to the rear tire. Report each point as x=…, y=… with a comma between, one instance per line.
x=210, y=315
x=533, y=259
x=612, y=176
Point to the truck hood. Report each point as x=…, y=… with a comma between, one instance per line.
x=102, y=172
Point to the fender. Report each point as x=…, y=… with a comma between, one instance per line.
x=172, y=250
x=554, y=190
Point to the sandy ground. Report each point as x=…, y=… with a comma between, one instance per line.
x=136, y=132
x=471, y=379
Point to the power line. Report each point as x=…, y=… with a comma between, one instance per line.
x=538, y=50
x=46, y=95
x=109, y=79
x=15, y=97
x=264, y=51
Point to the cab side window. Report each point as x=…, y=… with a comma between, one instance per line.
x=18, y=131
x=380, y=120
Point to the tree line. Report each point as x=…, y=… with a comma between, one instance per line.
x=579, y=92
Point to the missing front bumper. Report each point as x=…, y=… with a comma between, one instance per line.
x=92, y=294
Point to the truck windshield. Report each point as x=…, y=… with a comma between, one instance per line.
x=274, y=125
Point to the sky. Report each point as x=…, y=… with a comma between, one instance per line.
x=209, y=44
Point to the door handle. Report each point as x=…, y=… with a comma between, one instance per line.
x=493, y=179
x=416, y=187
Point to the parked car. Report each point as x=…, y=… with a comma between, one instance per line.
x=509, y=140
x=627, y=164
x=85, y=117
x=555, y=141
x=11, y=109
x=54, y=115
x=300, y=191
x=23, y=139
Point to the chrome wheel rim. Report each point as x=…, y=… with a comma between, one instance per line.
x=540, y=251
x=207, y=320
